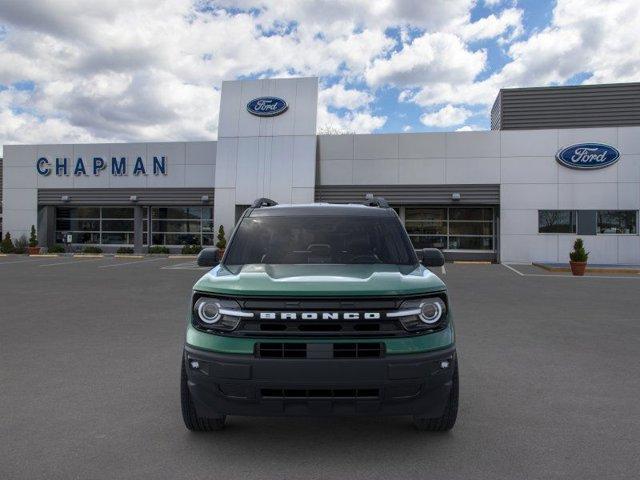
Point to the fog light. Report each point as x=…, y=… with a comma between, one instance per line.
x=194, y=364
x=444, y=364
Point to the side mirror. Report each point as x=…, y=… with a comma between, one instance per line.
x=432, y=257
x=208, y=257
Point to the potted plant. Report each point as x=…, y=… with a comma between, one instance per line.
x=221, y=244
x=33, y=249
x=7, y=244
x=578, y=258
x=20, y=245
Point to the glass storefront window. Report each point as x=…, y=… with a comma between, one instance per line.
x=556, y=221
x=450, y=228
x=95, y=225
x=187, y=225
x=618, y=221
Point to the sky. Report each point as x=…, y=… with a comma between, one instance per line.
x=77, y=71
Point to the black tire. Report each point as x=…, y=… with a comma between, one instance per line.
x=448, y=418
x=192, y=420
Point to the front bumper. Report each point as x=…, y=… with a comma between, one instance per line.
x=230, y=384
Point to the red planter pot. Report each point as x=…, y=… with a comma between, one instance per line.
x=33, y=250
x=578, y=268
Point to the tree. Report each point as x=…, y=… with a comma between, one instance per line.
x=33, y=238
x=579, y=254
x=222, y=241
x=7, y=244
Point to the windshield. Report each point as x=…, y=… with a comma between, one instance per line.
x=321, y=239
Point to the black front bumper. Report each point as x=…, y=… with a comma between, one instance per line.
x=226, y=384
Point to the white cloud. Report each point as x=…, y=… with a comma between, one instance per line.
x=429, y=58
x=447, y=116
x=509, y=22
x=407, y=128
x=469, y=128
x=340, y=97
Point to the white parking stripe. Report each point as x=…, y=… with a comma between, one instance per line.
x=130, y=263
x=513, y=269
x=551, y=275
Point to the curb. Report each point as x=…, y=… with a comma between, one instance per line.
x=45, y=255
x=472, y=262
x=88, y=255
x=589, y=269
x=127, y=255
x=182, y=256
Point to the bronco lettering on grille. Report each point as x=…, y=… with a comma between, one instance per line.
x=319, y=315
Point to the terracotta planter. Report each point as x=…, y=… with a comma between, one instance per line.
x=33, y=250
x=578, y=268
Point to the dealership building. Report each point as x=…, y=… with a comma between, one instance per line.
x=559, y=162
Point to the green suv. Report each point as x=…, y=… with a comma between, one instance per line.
x=319, y=310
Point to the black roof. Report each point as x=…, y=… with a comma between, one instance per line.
x=321, y=209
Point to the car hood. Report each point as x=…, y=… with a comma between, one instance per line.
x=319, y=280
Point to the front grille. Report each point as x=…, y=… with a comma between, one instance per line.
x=321, y=393
x=362, y=328
x=319, y=350
x=357, y=350
x=281, y=350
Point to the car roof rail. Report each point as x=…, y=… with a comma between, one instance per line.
x=263, y=202
x=376, y=201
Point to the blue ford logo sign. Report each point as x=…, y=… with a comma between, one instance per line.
x=267, y=106
x=588, y=156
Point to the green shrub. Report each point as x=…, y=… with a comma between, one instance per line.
x=191, y=249
x=20, y=245
x=125, y=250
x=222, y=241
x=579, y=254
x=158, y=249
x=33, y=238
x=7, y=244
x=91, y=249
x=57, y=248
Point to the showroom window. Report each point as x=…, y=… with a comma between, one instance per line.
x=450, y=228
x=556, y=221
x=95, y=225
x=618, y=222
x=182, y=226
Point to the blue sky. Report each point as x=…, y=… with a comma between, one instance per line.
x=77, y=71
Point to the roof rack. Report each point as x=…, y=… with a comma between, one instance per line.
x=376, y=201
x=263, y=202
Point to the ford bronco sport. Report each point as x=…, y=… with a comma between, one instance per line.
x=320, y=310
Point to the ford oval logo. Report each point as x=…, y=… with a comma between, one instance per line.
x=267, y=106
x=588, y=156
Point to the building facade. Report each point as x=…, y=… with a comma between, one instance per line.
x=504, y=195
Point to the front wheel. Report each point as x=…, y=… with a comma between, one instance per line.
x=448, y=418
x=192, y=420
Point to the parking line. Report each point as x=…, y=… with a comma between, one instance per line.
x=550, y=275
x=513, y=269
x=72, y=262
x=130, y=263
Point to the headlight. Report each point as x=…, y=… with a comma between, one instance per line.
x=217, y=314
x=208, y=310
x=421, y=314
x=431, y=311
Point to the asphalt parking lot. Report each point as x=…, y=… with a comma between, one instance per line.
x=90, y=351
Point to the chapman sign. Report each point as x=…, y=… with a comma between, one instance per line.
x=118, y=166
x=267, y=106
x=588, y=156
